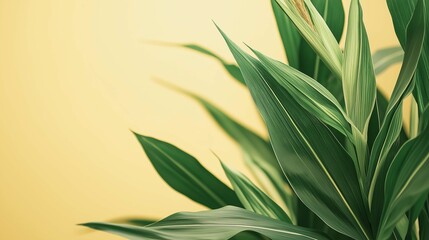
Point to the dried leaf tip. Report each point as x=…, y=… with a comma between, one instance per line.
x=300, y=5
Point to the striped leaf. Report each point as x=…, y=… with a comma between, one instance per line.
x=252, y=198
x=312, y=96
x=314, y=30
x=223, y=223
x=385, y=58
x=290, y=36
x=358, y=82
x=186, y=175
x=392, y=124
x=358, y=74
x=231, y=68
x=402, y=12
x=258, y=153
x=328, y=187
x=406, y=182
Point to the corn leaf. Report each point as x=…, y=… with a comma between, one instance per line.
x=222, y=223
x=252, y=198
x=406, y=182
x=385, y=58
x=328, y=187
x=186, y=175
x=402, y=12
x=392, y=123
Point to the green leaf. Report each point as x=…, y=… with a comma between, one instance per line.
x=310, y=94
x=424, y=223
x=223, y=223
x=392, y=123
x=231, y=68
x=387, y=57
x=332, y=12
x=406, y=182
x=328, y=187
x=252, y=198
x=258, y=153
x=138, y=221
x=402, y=12
x=290, y=36
x=186, y=175
x=314, y=30
x=358, y=73
x=300, y=54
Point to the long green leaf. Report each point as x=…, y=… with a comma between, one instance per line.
x=406, y=182
x=252, y=198
x=424, y=223
x=358, y=82
x=402, y=12
x=314, y=30
x=290, y=36
x=332, y=12
x=328, y=187
x=310, y=94
x=358, y=74
x=258, y=153
x=385, y=58
x=186, y=175
x=392, y=124
x=223, y=223
x=231, y=68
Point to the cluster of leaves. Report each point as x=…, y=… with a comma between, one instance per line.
x=338, y=164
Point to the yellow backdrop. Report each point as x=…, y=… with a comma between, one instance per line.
x=75, y=76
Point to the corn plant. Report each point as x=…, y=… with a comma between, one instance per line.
x=339, y=162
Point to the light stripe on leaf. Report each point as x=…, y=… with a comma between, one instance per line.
x=358, y=73
x=327, y=48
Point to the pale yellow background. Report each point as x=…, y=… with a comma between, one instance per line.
x=75, y=77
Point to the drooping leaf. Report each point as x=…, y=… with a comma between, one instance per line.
x=386, y=57
x=328, y=187
x=186, y=175
x=231, y=68
x=252, y=198
x=392, y=123
x=258, y=153
x=223, y=223
x=406, y=182
x=402, y=12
